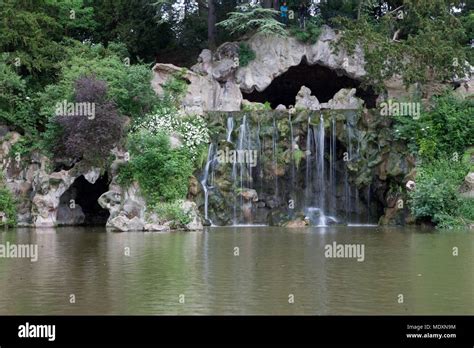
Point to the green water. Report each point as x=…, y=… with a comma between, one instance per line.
x=272, y=266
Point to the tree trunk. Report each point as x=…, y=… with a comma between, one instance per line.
x=211, y=25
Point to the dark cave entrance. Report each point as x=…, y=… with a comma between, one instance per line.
x=323, y=83
x=79, y=206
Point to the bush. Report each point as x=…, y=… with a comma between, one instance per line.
x=246, y=54
x=172, y=211
x=128, y=85
x=7, y=207
x=84, y=137
x=15, y=102
x=191, y=129
x=310, y=34
x=161, y=172
x=445, y=130
x=436, y=196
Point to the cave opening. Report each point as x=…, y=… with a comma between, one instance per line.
x=79, y=206
x=323, y=83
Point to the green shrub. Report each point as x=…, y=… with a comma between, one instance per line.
x=437, y=197
x=128, y=85
x=161, y=172
x=174, y=89
x=246, y=54
x=15, y=102
x=172, y=211
x=7, y=207
x=443, y=131
x=310, y=34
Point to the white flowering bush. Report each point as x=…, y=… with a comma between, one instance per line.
x=192, y=130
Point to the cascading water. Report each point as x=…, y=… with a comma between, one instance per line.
x=332, y=168
x=241, y=146
x=320, y=171
x=205, y=177
x=230, y=128
x=316, y=182
x=348, y=158
x=328, y=190
x=309, y=165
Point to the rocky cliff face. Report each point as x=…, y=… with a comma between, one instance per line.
x=79, y=195
x=217, y=81
x=315, y=167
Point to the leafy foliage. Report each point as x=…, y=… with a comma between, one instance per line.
x=161, y=172
x=436, y=196
x=246, y=54
x=85, y=138
x=15, y=104
x=444, y=131
x=172, y=211
x=425, y=45
x=31, y=36
x=251, y=20
x=128, y=86
x=7, y=207
x=310, y=34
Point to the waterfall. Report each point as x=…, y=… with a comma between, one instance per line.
x=332, y=178
x=308, y=165
x=321, y=171
x=230, y=128
x=347, y=188
x=275, y=154
x=205, y=176
x=241, y=146
x=293, y=169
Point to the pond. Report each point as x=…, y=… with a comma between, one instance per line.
x=239, y=270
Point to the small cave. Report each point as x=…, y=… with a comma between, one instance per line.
x=323, y=83
x=79, y=206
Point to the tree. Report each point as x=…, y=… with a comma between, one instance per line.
x=136, y=24
x=32, y=38
x=89, y=137
x=211, y=24
x=75, y=17
x=252, y=20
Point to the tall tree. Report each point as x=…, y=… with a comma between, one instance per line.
x=211, y=24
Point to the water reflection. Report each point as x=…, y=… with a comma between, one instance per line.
x=271, y=264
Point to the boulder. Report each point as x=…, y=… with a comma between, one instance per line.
x=111, y=200
x=124, y=224
x=298, y=223
x=345, y=99
x=249, y=195
x=304, y=100
x=467, y=188
x=156, y=228
x=204, y=93
x=92, y=175
x=191, y=209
